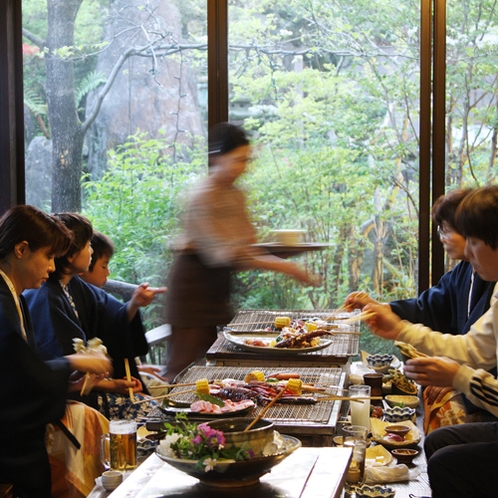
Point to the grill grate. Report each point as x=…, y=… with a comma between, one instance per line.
x=319, y=413
x=343, y=345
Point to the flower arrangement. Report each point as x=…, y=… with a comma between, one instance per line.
x=201, y=442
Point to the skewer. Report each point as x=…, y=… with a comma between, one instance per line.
x=128, y=378
x=348, y=398
x=265, y=409
x=171, y=386
x=157, y=398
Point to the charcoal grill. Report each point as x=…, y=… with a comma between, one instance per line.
x=343, y=347
x=313, y=424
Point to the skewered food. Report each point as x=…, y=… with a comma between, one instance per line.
x=282, y=321
x=257, y=375
x=202, y=386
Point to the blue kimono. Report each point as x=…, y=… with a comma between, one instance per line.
x=33, y=394
x=445, y=307
x=99, y=315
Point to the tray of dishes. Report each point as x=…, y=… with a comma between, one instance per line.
x=395, y=439
x=268, y=343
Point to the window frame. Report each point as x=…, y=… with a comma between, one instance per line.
x=432, y=115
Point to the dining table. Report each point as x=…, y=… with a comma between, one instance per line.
x=306, y=473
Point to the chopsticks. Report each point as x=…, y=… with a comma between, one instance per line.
x=265, y=409
x=360, y=316
x=345, y=307
x=128, y=378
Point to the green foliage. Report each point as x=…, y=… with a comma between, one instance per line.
x=135, y=204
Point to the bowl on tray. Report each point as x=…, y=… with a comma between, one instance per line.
x=395, y=414
x=399, y=429
x=375, y=491
x=379, y=362
x=404, y=455
x=402, y=400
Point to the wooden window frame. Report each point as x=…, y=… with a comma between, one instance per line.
x=432, y=112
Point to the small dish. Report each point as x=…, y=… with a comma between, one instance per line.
x=397, y=414
x=380, y=362
x=376, y=491
x=404, y=455
x=400, y=430
x=402, y=400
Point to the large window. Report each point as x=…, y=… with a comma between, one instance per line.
x=116, y=112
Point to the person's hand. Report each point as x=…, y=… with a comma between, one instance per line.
x=94, y=362
x=435, y=394
x=358, y=300
x=304, y=276
x=89, y=381
x=144, y=295
x=152, y=370
x=120, y=386
x=432, y=371
x=382, y=321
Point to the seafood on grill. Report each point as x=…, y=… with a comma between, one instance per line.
x=261, y=393
x=299, y=334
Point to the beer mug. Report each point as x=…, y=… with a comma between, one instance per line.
x=118, y=449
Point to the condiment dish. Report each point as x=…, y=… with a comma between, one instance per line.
x=400, y=430
x=404, y=455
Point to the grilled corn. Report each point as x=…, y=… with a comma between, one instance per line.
x=282, y=321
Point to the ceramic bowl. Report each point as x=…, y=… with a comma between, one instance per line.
x=233, y=474
x=398, y=414
x=376, y=361
x=402, y=400
x=399, y=429
x=375, y=491
x=404, y=455
x=256, y=438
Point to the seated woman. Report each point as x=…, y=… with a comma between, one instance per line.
x=66, y=308
x=34, y=392
x=459, y=299
x=98, y=271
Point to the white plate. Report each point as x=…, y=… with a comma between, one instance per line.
x=238, y=340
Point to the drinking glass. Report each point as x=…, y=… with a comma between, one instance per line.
x=355, y=437
x=118, y=449
x=360, y=410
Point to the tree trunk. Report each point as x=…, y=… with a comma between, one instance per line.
x=67, y=135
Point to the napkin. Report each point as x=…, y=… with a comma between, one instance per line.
x=395, y=473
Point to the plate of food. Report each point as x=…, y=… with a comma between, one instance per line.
x=204, y=409
x=391, y=439
x=280, y=343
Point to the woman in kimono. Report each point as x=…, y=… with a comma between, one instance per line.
x=66, y=308
x=34, y=392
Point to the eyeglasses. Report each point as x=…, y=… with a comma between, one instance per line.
x=443, y=234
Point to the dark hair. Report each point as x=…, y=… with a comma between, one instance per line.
x=82, y=231
x=37, y=228
x=446, y=205
x=477, y=215
x=102, y=245
x=225, y=137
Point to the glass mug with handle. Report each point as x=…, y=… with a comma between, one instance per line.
x=118, y=449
